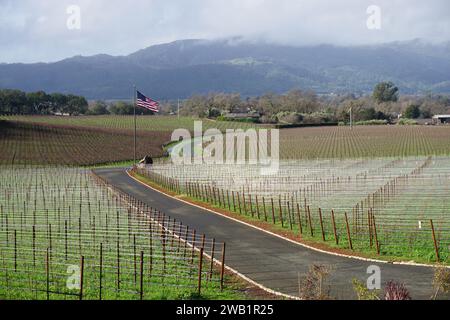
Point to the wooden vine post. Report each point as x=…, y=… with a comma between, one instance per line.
x=333, y=221
x=289, y=214
x=141, y=284
x=273, y=211
x=81, y=277
x=310, y=222
x=47, y=272
x=436, y=247
x=280, y=210
x=213, y=248
x=300, y=227
x=264, y=209
x=257, y=207
x=100, y=272
x=377, y=243
x=348, y=232
x=200, y=267
x=321, y=225
x=222, y=268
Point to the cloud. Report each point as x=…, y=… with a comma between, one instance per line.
x=37, y=30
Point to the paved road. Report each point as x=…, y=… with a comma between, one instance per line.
x=266, y=259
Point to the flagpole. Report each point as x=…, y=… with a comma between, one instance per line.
x=135, y=126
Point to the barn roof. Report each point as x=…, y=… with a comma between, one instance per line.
x=440, y=116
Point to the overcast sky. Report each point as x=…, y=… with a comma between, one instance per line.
x=36, y=30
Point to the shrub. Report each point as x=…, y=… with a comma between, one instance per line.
x=317, y=118
x=291, y=117
x=363, y=292
x=99, y=108
x=214, y=113
x=372, y=123
x=441, y=281
x=243, y=120
x=407, y=122
x=313, y=285
x=396, y=291
x=412, y=111
x=267, y=120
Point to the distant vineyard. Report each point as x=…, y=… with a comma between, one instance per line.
x=26, y=143
x=144, y=123
x=364, y=142
x=113, y=135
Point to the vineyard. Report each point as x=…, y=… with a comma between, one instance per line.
x=380, y=191
x=102, y=139
x=66, y=234
x=80, y=141
x=387, y=207
x=144, y=123
x=364, y=142
x=24, y=144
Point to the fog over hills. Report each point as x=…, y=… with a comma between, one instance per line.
x=182, y=68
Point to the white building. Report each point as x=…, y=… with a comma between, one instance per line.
x=441, y=119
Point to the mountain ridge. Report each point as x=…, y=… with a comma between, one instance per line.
x=185, y=67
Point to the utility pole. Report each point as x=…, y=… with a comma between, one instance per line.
x=351, y=118
x=178, y=112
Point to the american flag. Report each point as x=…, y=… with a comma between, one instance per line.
x=147, y=103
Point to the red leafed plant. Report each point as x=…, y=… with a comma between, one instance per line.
x=396, y=291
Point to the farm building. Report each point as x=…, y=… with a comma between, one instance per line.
x=242, y=116
x=441, y=119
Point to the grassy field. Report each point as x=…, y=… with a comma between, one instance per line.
x=55, y=222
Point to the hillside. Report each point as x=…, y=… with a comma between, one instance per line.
x=183, y=68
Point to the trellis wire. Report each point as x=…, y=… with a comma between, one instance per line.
x=395, y=200
x=54, y=219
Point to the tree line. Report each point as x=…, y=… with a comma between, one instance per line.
x=296, y=106
x=117, y=108
x=41, y=103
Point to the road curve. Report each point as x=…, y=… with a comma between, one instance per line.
x=271, y=261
